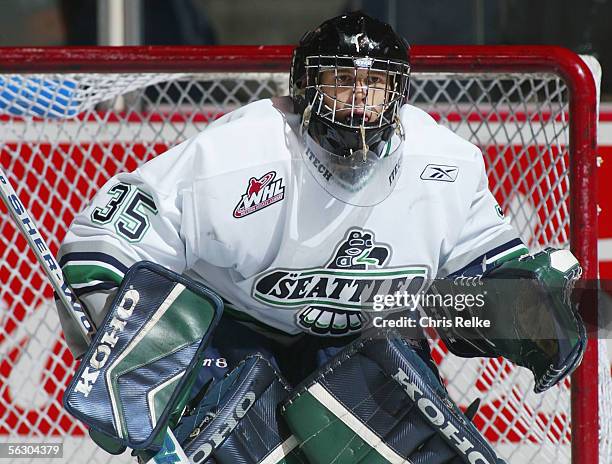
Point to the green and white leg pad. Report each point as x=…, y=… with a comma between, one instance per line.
x=378, y=402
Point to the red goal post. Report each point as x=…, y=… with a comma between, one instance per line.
x=470, y=88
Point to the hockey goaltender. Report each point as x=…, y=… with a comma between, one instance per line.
x=231, y=279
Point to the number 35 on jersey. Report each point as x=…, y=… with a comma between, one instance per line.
x=127, y=210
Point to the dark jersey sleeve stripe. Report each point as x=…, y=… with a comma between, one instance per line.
x=483, y=262
x=74, y=257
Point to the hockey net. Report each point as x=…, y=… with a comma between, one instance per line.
x=63, y=135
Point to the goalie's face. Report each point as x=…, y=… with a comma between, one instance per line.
x=355, y=96
x=352, y=125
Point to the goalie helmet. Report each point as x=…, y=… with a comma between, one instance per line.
x=349, y=78
x=360, y=57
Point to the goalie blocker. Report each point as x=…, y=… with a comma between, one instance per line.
x=140, y=367
x=136, y=381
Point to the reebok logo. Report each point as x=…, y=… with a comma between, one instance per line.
x=440, y=172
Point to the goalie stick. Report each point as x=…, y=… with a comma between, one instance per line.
x=43, y=255
x=27, y=227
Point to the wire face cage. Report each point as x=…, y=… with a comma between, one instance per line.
x=355, y=92
x=73, y=118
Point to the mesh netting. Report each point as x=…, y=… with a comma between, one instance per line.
x=63, y=136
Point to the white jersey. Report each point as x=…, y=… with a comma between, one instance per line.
x=235, y=208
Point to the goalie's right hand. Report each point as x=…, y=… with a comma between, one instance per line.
x=139, y=369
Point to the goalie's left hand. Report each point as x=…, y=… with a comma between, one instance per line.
x=550, y=335
x=534, y=320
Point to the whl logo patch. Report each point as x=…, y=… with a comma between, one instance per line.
x=440, y=172
x=259, y=194
x=338, y=295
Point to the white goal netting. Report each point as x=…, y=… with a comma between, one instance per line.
x=63, y=136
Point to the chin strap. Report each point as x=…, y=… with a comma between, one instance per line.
x=399, y=129
x=306, y=118
x=364, y=145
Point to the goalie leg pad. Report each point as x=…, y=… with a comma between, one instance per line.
x=238, y=422
x=141, y=364
x=378, y=402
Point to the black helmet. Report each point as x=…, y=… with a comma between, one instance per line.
x=353, y=55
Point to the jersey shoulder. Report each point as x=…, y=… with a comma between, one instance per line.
x=254, y=136
x=254, y=113
x=246, y=138
x=425, y=137
x=437, y=159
